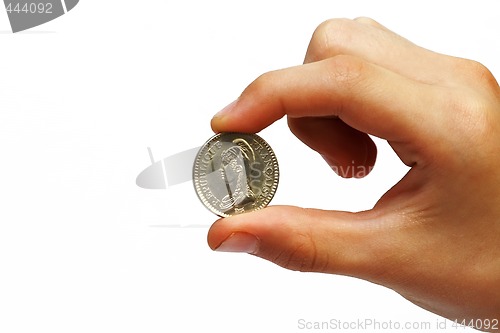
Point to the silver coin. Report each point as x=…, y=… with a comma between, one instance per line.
x=235, y=173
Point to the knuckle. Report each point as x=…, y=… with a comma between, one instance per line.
x=475, y=115
x=476, y=72
x=329, y=38
x=302, y=256
x=474, y=108
x=476, y=68
x=477, y=120
x=260, y=86
x=367, y=21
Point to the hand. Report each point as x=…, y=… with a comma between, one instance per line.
x=435, y=236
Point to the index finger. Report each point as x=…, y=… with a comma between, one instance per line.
x=367, y=97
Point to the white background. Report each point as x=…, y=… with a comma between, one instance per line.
x=82, y=249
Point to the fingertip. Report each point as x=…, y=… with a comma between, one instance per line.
x=348, y=152
x=218, y=120
x=216, y=234
x=215, y=124
x=370, y=22
x=261, y=224
x=363, y=169
x=371, y=155
x=347, y=171
x=226, y=110
x=240, y=242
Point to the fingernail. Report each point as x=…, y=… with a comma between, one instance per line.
x=239, y=242
x=226, y=110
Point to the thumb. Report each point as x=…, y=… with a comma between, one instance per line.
x=311, y=240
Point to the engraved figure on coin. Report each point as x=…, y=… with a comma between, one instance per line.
x=235, y=168
x=235, y=173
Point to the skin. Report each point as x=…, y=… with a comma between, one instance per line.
x=433, y=237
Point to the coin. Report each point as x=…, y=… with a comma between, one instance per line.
x=235, y=173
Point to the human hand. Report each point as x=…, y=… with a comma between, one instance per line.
x=435, y=236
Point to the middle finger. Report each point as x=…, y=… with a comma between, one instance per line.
x=367, y=39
